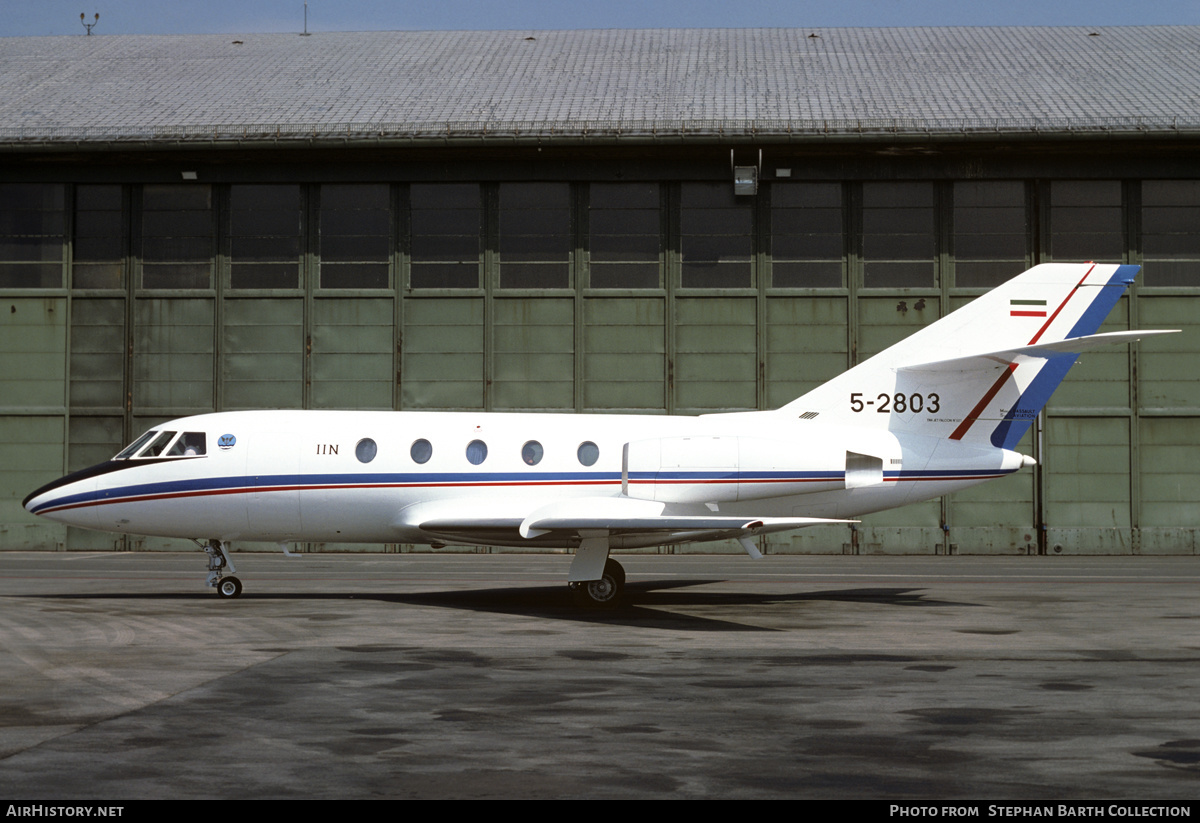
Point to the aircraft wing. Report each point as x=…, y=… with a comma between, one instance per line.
x=624, y=515
x=618, y=516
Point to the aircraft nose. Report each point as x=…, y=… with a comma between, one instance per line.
x=32, y=502
x=65, y=499
x=41, y=498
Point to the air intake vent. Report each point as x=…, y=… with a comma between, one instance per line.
x=809, y=415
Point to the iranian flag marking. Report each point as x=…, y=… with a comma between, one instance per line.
x=1027, y=308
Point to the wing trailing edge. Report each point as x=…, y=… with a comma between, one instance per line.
x=624, y=515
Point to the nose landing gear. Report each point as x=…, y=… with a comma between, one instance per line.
x=227, y=586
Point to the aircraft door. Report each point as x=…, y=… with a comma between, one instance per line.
x=274, y=468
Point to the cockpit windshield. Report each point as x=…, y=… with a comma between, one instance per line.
x=133, y=447
x=156, y=443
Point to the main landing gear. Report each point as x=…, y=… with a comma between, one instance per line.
x=227, y=586
x=604, y=593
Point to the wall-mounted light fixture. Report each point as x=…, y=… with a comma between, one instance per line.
x=745, y=178
x=189, y=175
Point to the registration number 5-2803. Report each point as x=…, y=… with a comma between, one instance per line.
x=898, y=402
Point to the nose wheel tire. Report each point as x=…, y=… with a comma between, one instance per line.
x=229, y=587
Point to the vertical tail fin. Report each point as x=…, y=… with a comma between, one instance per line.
x=982, y=373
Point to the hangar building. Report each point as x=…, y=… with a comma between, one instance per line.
x=665, y=221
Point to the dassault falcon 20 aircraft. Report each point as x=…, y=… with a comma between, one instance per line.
x=935, y=413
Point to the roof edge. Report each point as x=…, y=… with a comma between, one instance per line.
x=567, y=131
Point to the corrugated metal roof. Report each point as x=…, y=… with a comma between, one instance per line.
x=797, y=83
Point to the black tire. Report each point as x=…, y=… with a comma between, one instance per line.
x=605, y=593
x=616, y=570
x=229, y=587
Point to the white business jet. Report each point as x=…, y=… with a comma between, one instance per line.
x=940, y=411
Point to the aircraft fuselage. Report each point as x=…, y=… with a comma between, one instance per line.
x=339, y=476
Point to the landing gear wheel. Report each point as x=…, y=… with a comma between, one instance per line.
x=219, y=562
x=604, y=593
x=616, y=570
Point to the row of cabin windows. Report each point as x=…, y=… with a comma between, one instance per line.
x=477, y=451
x=624, y=229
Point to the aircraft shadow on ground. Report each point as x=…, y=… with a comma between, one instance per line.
x=647, y=604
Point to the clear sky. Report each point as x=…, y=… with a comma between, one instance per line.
x=50, y=17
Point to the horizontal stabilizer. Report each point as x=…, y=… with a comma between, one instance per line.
x=1072, y=345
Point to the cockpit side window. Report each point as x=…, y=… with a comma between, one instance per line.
x=132, y=448
x=189, y=444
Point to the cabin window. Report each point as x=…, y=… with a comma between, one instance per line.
x=421, y=451
x=189, y=444
x=531, y=453
x=588, y=453
x=476, y=452
x=366, y=450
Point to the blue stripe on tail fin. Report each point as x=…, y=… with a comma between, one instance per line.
x=1099, y=309
x=1022, y=414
